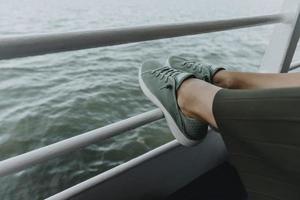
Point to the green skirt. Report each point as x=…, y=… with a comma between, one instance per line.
x=261, y=129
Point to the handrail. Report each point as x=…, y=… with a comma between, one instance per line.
x=294, y=65
x=31, y=158
x=68, y=193
x=12, y=47
x=31, y=45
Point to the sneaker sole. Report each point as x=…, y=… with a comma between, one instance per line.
x=180, y=137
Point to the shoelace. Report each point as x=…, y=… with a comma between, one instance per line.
x=198, y=67
x=165, y=73
x=194, y=65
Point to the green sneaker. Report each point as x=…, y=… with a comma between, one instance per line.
x=160, y=84
x=201, y=71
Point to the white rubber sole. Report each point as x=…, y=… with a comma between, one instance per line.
x=180, y=137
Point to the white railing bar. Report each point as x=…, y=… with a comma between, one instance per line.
x=31, y=45
x=68, y=193
x=31, y=158
x=294, y=65
x=211, y=152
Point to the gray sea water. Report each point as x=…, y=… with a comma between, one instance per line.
x=49, y=98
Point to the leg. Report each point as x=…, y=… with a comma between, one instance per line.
x=260, y=129
x=242, y=80
x=197, y=104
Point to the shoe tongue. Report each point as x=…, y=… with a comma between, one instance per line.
x=182, y=77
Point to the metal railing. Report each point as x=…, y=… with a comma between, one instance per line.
x=26, y=160
x=31, y=45
x=14, y=47
x=294, y=65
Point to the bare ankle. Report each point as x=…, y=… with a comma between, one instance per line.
x=195, y=98
x=224, y=79
x=184, y=97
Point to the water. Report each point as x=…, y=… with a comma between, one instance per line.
x=49, y=98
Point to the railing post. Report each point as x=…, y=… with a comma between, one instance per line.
x=281, y=49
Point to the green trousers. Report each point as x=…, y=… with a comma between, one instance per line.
x=261, y=129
